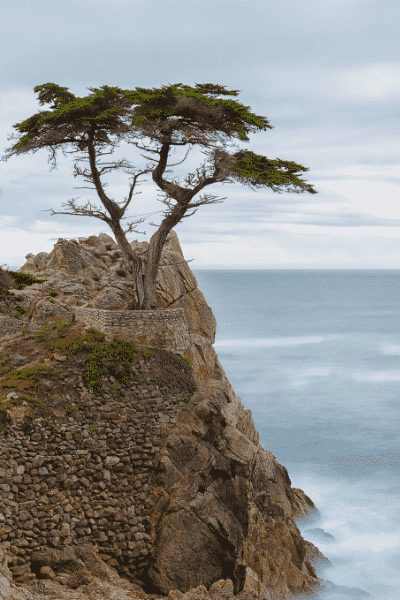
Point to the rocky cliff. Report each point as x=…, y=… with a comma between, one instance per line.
x=127, y=473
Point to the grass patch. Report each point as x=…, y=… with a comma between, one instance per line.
x=119, y=354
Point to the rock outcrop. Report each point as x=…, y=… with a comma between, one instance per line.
x=218, y=509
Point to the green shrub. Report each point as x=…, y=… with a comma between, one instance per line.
x=186, y=360
x=23, y=279
x=120, y=353
x=25, y=377
x=19, y=311
x=44, y=331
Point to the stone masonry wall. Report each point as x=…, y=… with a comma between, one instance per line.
x=165, y=329
x=87, y=479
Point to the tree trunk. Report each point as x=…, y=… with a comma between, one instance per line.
x=156, y=245
x=135, y=263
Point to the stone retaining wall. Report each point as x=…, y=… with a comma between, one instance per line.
x=88, y=479
x=166, y=329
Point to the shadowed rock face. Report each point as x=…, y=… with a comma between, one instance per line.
x=222, y=508
x=223, y=504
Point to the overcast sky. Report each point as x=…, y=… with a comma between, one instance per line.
x=325, y=74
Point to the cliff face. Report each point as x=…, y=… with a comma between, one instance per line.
x=153, y=486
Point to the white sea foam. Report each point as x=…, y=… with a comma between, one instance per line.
x=365, y=551
x=376, y=376
x=390, y=349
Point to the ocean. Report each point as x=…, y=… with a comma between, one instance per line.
x=315, y=355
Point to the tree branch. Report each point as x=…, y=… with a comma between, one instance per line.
x=80, y=210
x=83, y=211
x=116, y=166
x=173, y=165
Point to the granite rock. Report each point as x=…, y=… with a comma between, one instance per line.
x=92, y=271
x=222, y=507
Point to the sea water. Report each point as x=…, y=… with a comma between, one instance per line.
x=315, y=355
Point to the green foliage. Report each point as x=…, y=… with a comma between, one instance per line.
x=76, y=113
x=196, y=112
x=46, y=329
x=30, y=399
x=19, y=311
x=53, y=293
x=195, y=109
x=105, y=107
x=119, y=353
x=186, y=360
x=259, y=171
x=4, y=360
x=59, y=372
x=23, y=279
x=22, y=378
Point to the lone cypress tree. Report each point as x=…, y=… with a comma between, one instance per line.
x=173, y=115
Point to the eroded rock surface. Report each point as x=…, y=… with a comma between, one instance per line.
x=223, y=511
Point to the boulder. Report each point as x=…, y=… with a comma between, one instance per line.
x=6, y=281
x=314, y=556
x=72, y=573
x=110, y=299
x=9, y=326
x=48, y=310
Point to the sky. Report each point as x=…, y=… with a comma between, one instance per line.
x=325, y=74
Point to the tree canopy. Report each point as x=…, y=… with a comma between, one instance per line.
x=173, y=115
